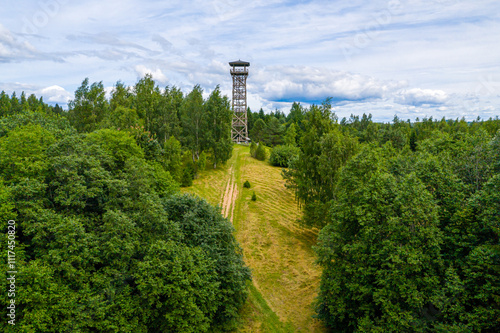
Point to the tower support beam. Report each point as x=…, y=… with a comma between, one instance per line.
x=239, y=73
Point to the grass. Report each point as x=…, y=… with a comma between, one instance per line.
x=285, y=278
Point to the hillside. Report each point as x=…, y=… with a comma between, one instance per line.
x=285, y=278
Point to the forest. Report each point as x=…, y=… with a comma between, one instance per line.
x=407, y=213
x=409, y=217
x=105, y=241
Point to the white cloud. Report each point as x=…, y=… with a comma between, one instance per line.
x=157, y=73
x=305, y=83
x=418, y=96
x=446, y=46
x=55, y=94
x=14, y=49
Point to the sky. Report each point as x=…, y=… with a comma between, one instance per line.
x=405, y=58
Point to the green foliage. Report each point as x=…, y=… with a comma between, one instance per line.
x=5, y=105
x=103, y=244
x=413, y=140
x=218, y=127
x=202, y=162
x=410, y=213
x=202, y=226
x=89, y=107
x=269, y=130
x=260, y=152
x=57, y=125
x=147, y=98
x=290, y=138
x=258, y=132
x=188, y=174
x=283, y=155
x=412, y=242
x=122, y=118
x=167, y=120
x=297, y=115
x=172, y=158
x=274, y=132
x=22, y=154
x=253, y=149
x=314, y=173
x=246, y=184
x=176, y=285
x=118, y=144
x=495, y=152
x=474, y=231
x=165, y=184
x=193, y=119
x=121, y=96
x=6, y=204
x=381, y=252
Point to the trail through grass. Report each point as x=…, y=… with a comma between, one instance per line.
x=285, y=278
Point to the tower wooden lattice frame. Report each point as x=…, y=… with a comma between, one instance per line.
x=239, y=73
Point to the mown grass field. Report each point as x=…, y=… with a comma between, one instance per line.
x=285, y=278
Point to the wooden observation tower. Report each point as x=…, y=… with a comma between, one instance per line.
x=239, y=73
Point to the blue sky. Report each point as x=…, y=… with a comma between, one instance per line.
x=411, y=58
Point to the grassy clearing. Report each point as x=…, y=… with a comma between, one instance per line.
x=285, y=279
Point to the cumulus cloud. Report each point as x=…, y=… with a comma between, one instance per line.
x=157, y=73
x=55, y=94
x=51, y=94
x=304, y=83
x=418, y=97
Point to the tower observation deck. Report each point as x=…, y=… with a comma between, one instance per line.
x=239, y=73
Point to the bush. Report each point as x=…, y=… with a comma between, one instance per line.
x=254, y=197
x=246, y=184
x=253, y=149
x=188, y=175
x=202, y=161
x=282, y=155
x=261, y=153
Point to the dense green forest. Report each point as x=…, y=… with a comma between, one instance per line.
x=104, y=240
x=408, y=213
x=409, y=216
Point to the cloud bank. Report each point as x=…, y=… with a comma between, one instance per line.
x=383, y=57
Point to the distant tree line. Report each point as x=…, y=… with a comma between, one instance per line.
x=10, y=105
x=104, y=240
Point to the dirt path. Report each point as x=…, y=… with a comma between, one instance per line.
x=229, y=196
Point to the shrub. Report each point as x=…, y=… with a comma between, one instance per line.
x=246, y=184
x=254, y=197
x=253, y=149
x=282, y=155
x=202, y=161
x=188, y=175
x=261, y=153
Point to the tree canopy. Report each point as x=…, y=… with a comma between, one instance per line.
x=105, y=241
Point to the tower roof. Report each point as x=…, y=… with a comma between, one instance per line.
x=239, y=63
